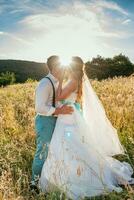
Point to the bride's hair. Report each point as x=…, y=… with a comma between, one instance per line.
x=77, y=67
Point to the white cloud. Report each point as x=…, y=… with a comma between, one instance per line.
x=127, y=21
x=14, y=37
x=109, y=5
x=83, y=18
x=71, y=29
x=1, y=33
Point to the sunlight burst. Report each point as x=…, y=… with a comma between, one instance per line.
x=65, y=61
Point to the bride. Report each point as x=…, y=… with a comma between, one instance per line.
x=80, y=161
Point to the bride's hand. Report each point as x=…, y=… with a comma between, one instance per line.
x=59, y=90
x=62, y=76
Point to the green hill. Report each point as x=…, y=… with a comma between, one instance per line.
x=24, y=69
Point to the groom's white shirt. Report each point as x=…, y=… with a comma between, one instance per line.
x=44, y=96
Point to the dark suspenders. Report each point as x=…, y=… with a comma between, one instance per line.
x=53, y=104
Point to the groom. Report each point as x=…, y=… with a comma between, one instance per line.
x=46, y=116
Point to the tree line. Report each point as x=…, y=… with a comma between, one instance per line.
x=102, y=68
x=18, y=71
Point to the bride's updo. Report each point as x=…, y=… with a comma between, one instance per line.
x=77, y=68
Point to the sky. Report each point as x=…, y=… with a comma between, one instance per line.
x=35, y=29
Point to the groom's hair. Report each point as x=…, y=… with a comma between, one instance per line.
x=51, y=61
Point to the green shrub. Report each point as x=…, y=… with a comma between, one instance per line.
x=30, y=80
x=7, y=78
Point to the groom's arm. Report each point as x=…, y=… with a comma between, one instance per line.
x=64, y=110
x=42, y=94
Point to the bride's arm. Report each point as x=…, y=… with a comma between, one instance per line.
x=63, y=93
x=59, y=90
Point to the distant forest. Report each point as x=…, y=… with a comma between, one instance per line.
x=24, y=70
x=102, y=68
x=99, y=68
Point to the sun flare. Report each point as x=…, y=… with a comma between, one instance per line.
x=65, y=61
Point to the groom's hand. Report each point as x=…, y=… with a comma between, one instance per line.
x=64, y=110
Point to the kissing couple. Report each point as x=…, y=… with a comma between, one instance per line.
x=75, y=140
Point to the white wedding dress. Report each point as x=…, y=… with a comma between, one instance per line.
x=77, y=164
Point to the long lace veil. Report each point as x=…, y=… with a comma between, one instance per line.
x=103, y=134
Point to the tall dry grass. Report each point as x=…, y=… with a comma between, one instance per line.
x=17, y=137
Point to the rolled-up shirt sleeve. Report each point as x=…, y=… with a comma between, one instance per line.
x=42, y=93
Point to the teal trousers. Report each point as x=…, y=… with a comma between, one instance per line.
x=44, y=128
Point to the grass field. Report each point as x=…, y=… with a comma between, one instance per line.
x=17, y=137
